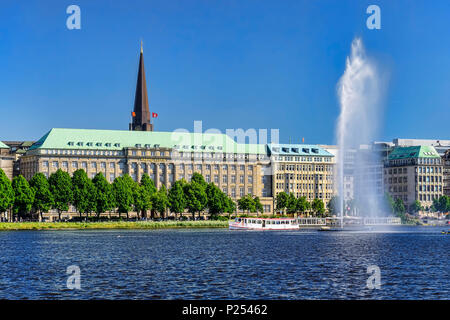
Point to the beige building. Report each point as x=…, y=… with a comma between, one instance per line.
x=414, y=173
x=6, y=160
x=237, y=169
x=304, y=170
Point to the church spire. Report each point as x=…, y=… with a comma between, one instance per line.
x=141, y=111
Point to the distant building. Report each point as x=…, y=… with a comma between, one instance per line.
x=414, y=173
x=16, y=150
x=446, y=161
x=6, y=160
x=304, y=170
x=439, y=145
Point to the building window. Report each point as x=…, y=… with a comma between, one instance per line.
x=208, y=178
x=250, y=191
x=241, y=191
x=225, y=179
x=103, y=165
x=55, y=164
x=94, y=165
x=216, y=179
x=111, y=177
x=112, y=165
x=241, y=179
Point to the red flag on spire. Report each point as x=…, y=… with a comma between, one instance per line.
x=154, y=115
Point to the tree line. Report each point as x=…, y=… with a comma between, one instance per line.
x=124, y=195
x=289, y=204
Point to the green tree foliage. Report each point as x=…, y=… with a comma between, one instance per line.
x=318, y=207
x=83, y=192
x=103, y=194
x=442, y=204
x=143, y=194
x=196, y=198
x=43, y=198
x=23, y=195
x=123, y=193
x=6, y=192
x=303, y=205
x=291, y=204
x=247, y=203
x=61, y=189
x=258, y=205
x=281, y=201
x=390, y=203
x=217, y=200
x=161, y=201
x=177, y=200
x=198, y=178
x=416, y=206
x=334, y=205
x=231, y=206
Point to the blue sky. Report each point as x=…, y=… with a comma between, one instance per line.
x=232, y=64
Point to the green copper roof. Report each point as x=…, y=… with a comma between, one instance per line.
x=298, y=150
x=3, y=146
x=91, y=139
x=413, y=152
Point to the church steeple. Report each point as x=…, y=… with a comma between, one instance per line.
x=141, y=111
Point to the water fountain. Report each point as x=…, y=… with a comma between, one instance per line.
x=359, y=91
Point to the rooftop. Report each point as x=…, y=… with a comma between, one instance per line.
x=3, y=146
x=92, y=139
x=413, y=152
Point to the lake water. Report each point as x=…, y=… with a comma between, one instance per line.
x=223, y=264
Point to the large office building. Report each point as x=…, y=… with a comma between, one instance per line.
x=414, y=173
x=236, y=168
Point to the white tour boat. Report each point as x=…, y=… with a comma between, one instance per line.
x=264, y=224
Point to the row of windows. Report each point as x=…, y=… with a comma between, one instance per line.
x=304, y=167
x=291, y=176
x=302, y=159
x=304, y=186
x=215, y=166
x=84, y=164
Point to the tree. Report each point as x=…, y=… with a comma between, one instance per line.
x=61, y=189
x=247, y=203
x=281, y=201
x=196, y=198
x=103, y=194
x=198, y=178
x=303, y=205
x=177, y=201
x=389, y=202
x=334, y=205
x=291, y=204
x=217, y=200
x=161, y=201
x=442, y=204
x=231, y=207
x=83, y=192
x=23, y=195
x=416, y=206
x=6, y=193
x=318, y=207
x=146, y=192
x=258, y=205
x=43, y=198
x=123, y=193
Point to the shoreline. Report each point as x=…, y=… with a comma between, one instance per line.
x=137, y=225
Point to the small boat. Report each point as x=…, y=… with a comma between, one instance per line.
x=264, y=224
